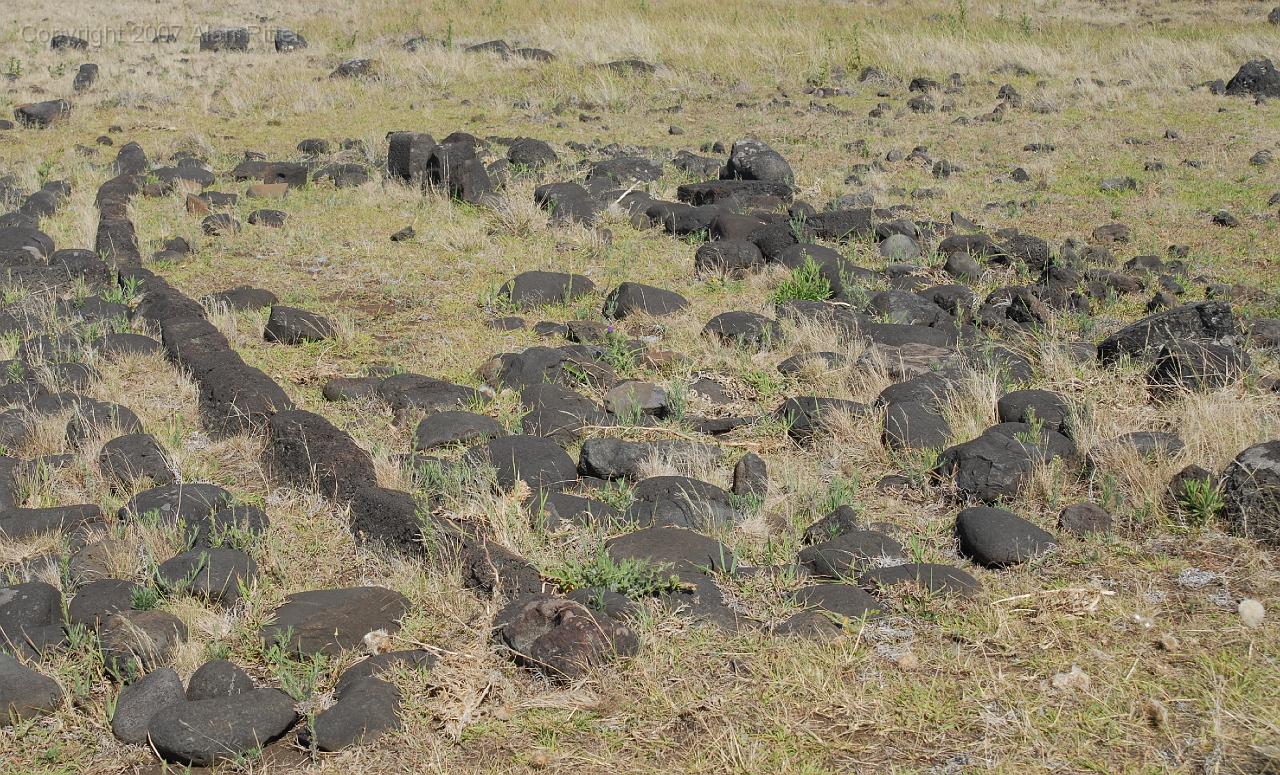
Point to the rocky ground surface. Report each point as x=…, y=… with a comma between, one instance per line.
x=545, y=438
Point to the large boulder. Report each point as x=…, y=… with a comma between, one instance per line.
x=24, y=693
x=329, y=621
x=1255, y=78
x=996, y=538
x=203, y=732
x=561, y=638
x=755, y=160
x=1251, y=493
x=305, y=449
x=1204, y=320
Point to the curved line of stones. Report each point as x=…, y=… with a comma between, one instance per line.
x=303, y=449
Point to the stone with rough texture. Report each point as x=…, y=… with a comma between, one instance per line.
x=843, y=519
x=455, y=427
x=214, y=574
x=933, y=578
x=990, y=467
x=1196, y=366
x=330, y=621
x=631, y=298
x=997, y=538
x=289, y=325
x=1255, y=78
x=535, y=289
x=1204, y=320
x=750, y=476
x=306, y=450
x=24, y=693
x=843, y=600
x=30, y=617
x=139, y=702
x=849, y=554
x=1082, y=519
x=221, y=729
x=680, y=548
x=1251, y=493
x=134, y=642
x=365, y=710
x=218, y=678
x=137, y=456
x=384, y=665
x=538, y=462
x=754, y=160
x=559, y=637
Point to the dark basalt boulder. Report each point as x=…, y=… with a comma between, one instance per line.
x=1211, y=321
x=330, y=621
x=1255, y=78
x=561, y=638
x=203, y=732
x=1251, y=493
x=535, y=289
x=306, y=450
x=997, y=538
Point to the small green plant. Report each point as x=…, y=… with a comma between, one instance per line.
x=618, y=352
x=617, y=494
x=45, y=170
x=805, y=283
x=853, y=59
x=13, y=69
x=798, y=224
x=632, y=577
x=1109, y=495
x=767, y=383
x=216, y=650
x=915, y=549
x=749, y=504
x=1200, y=501
x=1034, y=434
x=297, y=674
x=449, y=480
x=576, y=373
x=677, y=400
x=231, y=536
x=696, y=237
x=144, y=598
x=841, y=491
x=919, y=466
x=123, y=293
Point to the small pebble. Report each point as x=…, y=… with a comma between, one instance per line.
x=1251, y=612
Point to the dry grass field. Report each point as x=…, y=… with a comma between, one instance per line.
x=1115, y=653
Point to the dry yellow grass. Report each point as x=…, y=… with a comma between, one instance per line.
x=1175, y=682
